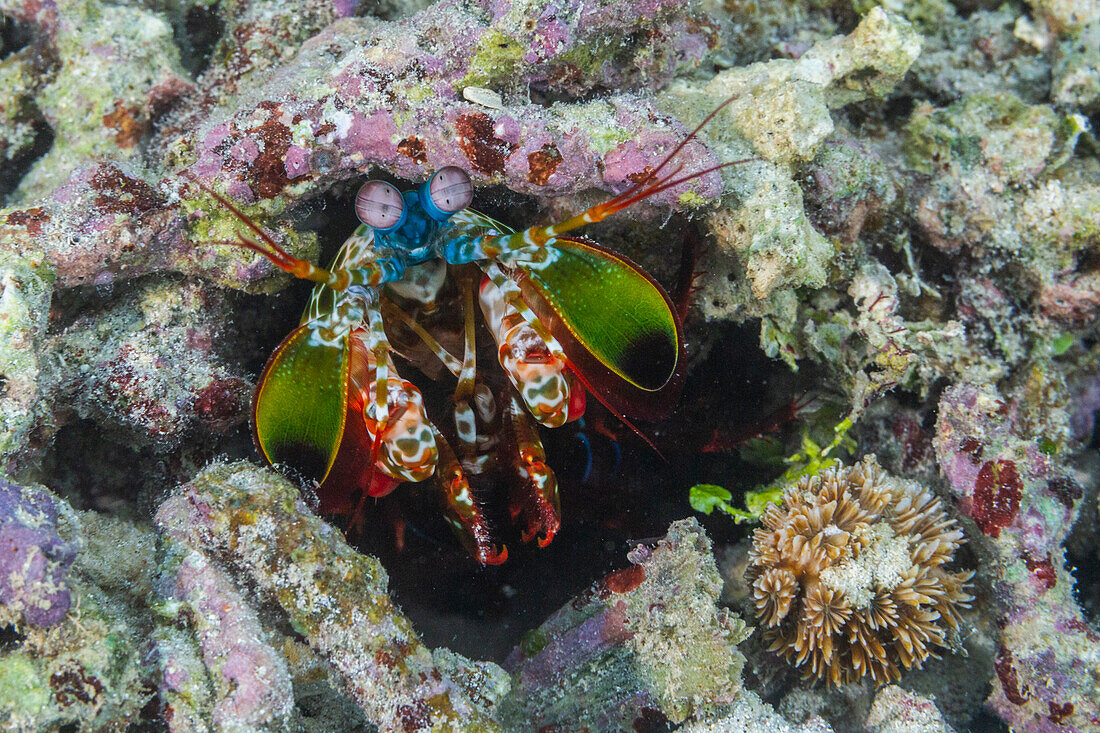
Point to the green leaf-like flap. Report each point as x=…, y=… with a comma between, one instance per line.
x=301, y=403
x=629, y=338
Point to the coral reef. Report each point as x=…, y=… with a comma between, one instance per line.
x=114, y=70
x=76, y=657
x=911, y=237
x=748, y=713
x=848, y=576
x=240, y=681
x=769, y=233
x=897, y=710
x=24, y=309
x=147, y=368
x=1077, y=69
x=35, y=557
x=116, y=366
x=218, y=658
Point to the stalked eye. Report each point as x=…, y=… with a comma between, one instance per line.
x=446, y=192
x=380, y=205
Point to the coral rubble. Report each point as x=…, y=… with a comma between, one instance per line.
x=646, y=643
x=35, y=559
x=333, y=595
x=24, y=308
x=896, y=710
x=73, y=652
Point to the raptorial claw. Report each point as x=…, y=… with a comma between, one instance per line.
x=403, y=446
x=494, y=556
x=542, y=514
x=408, y=449
x=532, y=532
x=540, y=377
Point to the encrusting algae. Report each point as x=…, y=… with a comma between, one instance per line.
x=848, y=575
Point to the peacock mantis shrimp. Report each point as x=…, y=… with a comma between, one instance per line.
x=567, y=315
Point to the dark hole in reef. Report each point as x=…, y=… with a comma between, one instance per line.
x=13, y=35
x=966, y=8
x=202, y=28
x=12, y=173
x=1083, y=545
x=1084, y=563
x=317, y=703
x=508, y=207
x=151, y=717
x=845, y=17
x=615, y=493
x=1088, y=260
x=934, y=269
x=69, y=728
x=651, y=720
x=91, y=472
x=898, y=108
x=94, y=470
x=551, y=92
x=965, y=558
x=894, y=111
x=10, y=638
x=986, y=722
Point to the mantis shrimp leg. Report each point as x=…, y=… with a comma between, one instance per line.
x=535, y=495
x=544, y=386
x=462, y=512
x=465, y=421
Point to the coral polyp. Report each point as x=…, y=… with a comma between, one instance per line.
x=848, y=576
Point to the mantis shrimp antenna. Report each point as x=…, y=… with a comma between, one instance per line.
x=277, y=255
x=654, y=183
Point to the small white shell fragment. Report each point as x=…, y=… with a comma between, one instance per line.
x=484, y=97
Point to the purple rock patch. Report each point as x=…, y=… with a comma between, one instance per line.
x=34, y=560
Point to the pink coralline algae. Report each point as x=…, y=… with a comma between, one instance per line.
x=250, y=681
x=34, y=559
x=1025, y=501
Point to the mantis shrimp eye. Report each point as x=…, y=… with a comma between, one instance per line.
x=380, y=205
x=446, y=192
